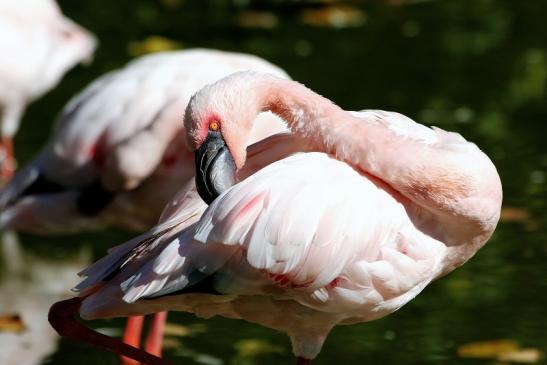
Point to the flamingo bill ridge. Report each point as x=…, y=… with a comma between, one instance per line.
x=215, y=167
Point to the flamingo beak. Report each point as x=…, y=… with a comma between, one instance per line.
x=215, y=167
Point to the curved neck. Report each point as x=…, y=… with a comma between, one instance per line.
x=435, y=176
x=308, y=114
x=323, y=125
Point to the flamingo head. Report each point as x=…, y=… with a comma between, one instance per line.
x=218, y=122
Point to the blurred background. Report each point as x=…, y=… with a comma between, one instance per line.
x=475, y=67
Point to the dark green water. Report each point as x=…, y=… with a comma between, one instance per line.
x=476, y=67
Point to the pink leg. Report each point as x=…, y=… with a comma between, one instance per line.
x=154, y=340
x=302, y=361
x=62, y=317
x=7, y=161
x=132, y=336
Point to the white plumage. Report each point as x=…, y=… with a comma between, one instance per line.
x=307, y=227
x=343, y=222
x=38, y=45
x=125, y=132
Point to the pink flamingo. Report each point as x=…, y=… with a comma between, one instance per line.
x=117, y=155
x=349, y=230
x=39, y=45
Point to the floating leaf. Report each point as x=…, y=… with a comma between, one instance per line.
x=152, y=44
x=337, y=16
x=522, y=356
x=172, y=329
x=255, y=347
x=176, y=330
x=11, y=323
x=501, y=350
x=487, y=349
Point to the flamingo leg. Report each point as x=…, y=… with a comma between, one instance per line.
x=154, y=341
x=62, y=318
x=7, y=161
x=302, y=361
x=132, y=336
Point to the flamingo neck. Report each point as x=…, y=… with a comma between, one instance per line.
x=308, y=114
x=323, y=125
x=437, y=180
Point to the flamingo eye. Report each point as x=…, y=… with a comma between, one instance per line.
x=214, y=126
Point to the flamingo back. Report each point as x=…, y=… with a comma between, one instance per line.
x=307, y=228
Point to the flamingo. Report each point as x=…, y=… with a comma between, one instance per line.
x=39, y=45
x=117, y=155
x=343, y=221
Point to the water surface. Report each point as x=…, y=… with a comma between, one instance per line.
x=475, y=67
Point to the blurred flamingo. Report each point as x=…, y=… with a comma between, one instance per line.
x=117, y=155
x=348, y=231
x=26, y=293
x=39, y=45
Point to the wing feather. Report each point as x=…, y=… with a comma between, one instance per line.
x=307, y=227
x=185, y=209
x=305, y=217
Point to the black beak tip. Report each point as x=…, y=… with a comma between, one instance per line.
x=215, y=168
x=206, y=195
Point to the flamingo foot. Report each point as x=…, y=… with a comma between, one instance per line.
x=303, y=361
x=62, y=318
x=132, y=336
x=154, y=341
x=7, y=161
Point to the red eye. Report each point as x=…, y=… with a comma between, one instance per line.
x=214, y=126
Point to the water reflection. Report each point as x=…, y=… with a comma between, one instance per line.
x=29, y=284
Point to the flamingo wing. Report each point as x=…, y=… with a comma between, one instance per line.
x=309, y=221
x=308, y=227
x=182, y=211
